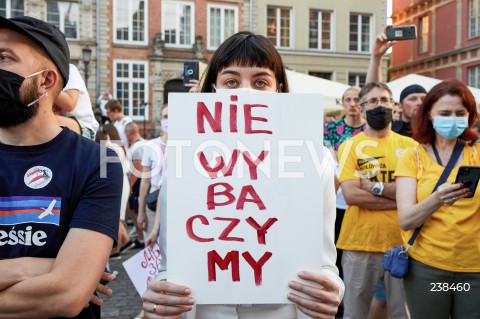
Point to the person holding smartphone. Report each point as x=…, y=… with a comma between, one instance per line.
x=246, y=60
x=444, y=268
x=411, y=96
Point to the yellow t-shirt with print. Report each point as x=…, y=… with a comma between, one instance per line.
x=450, y=237
x=375, y=158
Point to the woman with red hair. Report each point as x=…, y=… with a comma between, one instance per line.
x=444, y=268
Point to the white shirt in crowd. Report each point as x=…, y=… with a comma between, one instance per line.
x=83, y=111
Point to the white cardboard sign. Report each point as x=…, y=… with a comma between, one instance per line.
x=143, y=267
x=244, y=195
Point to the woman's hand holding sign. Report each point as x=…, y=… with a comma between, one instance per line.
x=166, y=300
x=324, y=300
x=169, y=301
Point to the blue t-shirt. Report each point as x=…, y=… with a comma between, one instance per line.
x=47, y=189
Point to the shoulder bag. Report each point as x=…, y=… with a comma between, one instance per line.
x=395, y=260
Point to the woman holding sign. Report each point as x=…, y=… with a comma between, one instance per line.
x=249, y=62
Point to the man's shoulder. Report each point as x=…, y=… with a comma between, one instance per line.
x=406, y=140
x=358, y=137
x=402, y=128
x=334, y=124
x=126, y=120
x=353, y=140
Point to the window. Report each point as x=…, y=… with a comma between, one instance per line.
x=320, y=30
x=473, y=18
x=323, y=75
x=130, y=21
x=474, y=76
x=12, y=8
x=357, y=79
x=279, y=26
x=131, y=87
x=178, y=23
x=360, y=32
x=65, y=16
x=222, y=23
x=423, y=25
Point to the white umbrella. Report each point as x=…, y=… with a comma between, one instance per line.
x=304, y=83
x=399, y=84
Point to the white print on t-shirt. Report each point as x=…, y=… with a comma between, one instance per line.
x=399, y=152
x=38, y=177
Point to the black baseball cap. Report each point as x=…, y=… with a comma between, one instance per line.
x=414, y=88
x=48, y=36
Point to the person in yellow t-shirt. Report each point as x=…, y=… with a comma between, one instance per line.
x=444, y=268
x=370, y=226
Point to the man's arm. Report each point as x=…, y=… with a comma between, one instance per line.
x=380, y=47
x=355, y=195
x=144, y=187
x=67, y=288
x=389, y=189
x=67, y=100
x=133, y=176
x=19, y=269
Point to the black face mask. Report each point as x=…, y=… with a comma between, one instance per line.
x=379, y=117
x=13, y=109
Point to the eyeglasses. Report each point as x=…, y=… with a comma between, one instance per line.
x=375, y=101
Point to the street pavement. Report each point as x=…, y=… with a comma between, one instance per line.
x=125, y=303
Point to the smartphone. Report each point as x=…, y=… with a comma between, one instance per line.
x=190, y=71
x=402, y=32
x=469, y=176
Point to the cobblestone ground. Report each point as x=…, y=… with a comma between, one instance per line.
x=125, y=303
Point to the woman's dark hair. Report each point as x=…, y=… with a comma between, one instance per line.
x=423, y=130
x=109, y=131
x=246, y=49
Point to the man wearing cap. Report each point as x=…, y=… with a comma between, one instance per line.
x=59, y=192
x=410, y=99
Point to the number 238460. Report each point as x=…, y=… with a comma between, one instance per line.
x=445, y=286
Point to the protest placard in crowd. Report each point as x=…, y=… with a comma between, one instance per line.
x=244, y=194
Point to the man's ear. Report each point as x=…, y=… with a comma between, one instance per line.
x=49, y=80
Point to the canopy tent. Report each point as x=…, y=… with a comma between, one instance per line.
x=304, y=83
x=399, y=84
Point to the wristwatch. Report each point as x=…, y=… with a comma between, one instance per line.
x=377, y=189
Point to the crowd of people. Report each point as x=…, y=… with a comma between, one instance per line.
x=384, y=159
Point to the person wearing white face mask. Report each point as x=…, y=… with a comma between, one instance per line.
x=444, y=258
x=250, y=62
x=164, y=122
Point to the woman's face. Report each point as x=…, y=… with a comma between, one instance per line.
x=448, y=105
x=256, y=78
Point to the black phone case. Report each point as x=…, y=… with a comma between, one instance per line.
x=406, y=32
x=190, y=71
x=469, y=176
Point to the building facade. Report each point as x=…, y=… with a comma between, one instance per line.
x=448, y=40
x=76, y=19
x=138, y=47
x=329, y=39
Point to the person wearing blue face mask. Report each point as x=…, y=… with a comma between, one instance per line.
x=443, y=280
